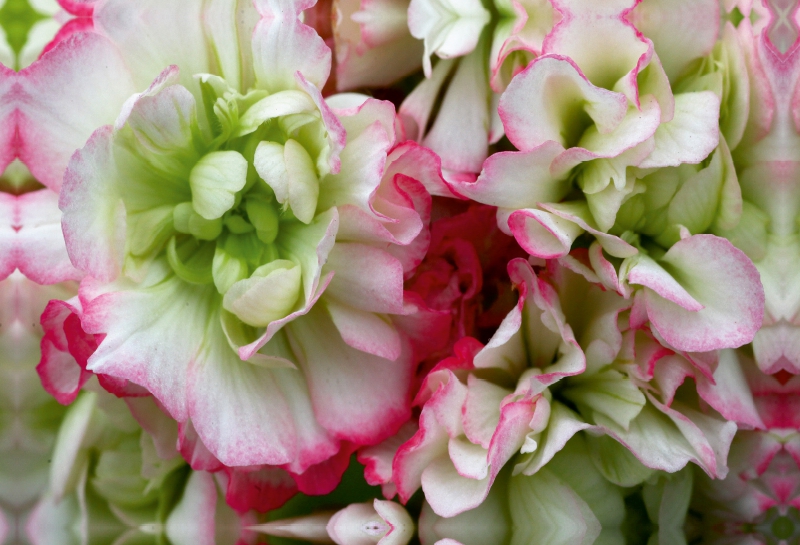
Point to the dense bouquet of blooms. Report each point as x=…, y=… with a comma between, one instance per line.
x=451, y=272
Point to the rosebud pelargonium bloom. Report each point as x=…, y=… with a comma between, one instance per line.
x=571, y=356
x=561, y=117
x=612, y=150
x=650, y=207
x=247, y=251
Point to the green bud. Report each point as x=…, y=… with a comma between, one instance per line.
x=227, y=269
x=215, y=180
x=268, y=295
x=188, y=221
x=191, y=260
x=237, y=225
x=264, y=218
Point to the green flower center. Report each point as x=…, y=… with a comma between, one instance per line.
x=226, y=202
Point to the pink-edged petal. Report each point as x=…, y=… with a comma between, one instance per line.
x=777, y=347
x=650, y=274
x=446, y=401
x=421, y=164
x=94, y=217
x=543, y=234
x=629, y=135
x=284, y=46
x=516, y=420
x=45, y=35
x=262, y=489
x=407, y=204
x=578, y=214
x=372, y=523
x=365, y=278
x=397, y=223
x=427, y=445
x=729, y=392
x=517, y=179
x=238, y=409
x=709, y=435
x=63, y=98
x=544, y=336
x=41, y=252
x=721, y=279
x=600, y=41
x=663, y=438
x=401, y=527
x=61, y=374
x=360, y=398
x=365, y=331
x=135, y=321
x=481, y=410
x=377, y=459
x=323, y=477
x=250, y=415
x=540, y=103
x=370, y=135
x=605, y=270
x=336, y=134
x=194, y=451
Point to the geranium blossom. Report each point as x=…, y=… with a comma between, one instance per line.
x=255, y=221
x=519, y=395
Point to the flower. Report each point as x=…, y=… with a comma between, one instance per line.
x=269, y=233
x=571, y=356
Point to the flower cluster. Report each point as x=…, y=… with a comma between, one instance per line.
x=370, y=271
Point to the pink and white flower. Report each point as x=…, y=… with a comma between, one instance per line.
x=268, y=232
x=570, y=357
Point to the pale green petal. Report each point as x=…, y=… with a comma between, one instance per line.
x=268, y=295
x=214, y=180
